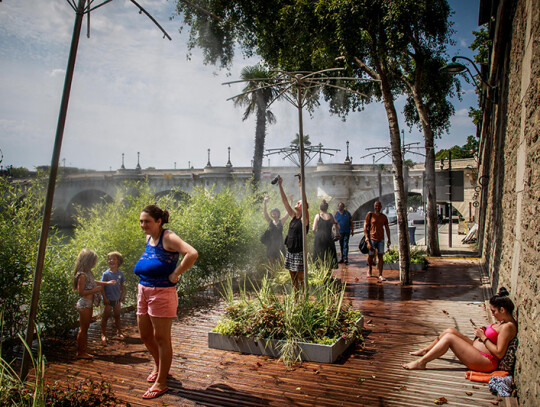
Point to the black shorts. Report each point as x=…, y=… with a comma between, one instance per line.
x=112, y=303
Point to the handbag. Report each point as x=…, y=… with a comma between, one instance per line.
x=335, y=232
x=362, y=246
x=265, y=238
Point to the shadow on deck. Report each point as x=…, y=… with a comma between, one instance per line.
x=398, y=320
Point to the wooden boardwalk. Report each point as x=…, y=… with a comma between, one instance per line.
x=398, y=320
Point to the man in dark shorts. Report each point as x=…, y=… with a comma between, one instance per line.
x=374, y=226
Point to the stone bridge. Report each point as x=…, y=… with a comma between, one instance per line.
x=357, y=185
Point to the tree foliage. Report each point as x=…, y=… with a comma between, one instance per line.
x=256, y=96
x=20, y=214
x=392, y=42
x=468, y=150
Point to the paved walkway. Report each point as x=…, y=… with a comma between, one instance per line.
x=398, y=320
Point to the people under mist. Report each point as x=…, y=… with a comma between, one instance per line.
x=374, y=226
x=294, y=259
x=273, y=236
x=481, y=354
x=324, y=247
x=157, y=300
x=90, y=292
x=346, y=230
x=113, y=295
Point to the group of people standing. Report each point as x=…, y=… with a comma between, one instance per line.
x=327, y=229
x=324, y=225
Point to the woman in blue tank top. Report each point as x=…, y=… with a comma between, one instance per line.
x=157, y=300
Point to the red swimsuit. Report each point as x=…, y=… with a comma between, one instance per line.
x=492, y=335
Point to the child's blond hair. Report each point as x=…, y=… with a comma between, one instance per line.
x=86, y=260
x=118, y=256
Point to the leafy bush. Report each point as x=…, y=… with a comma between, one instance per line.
x=20, y=226
x=222, y=227
x=417, y=256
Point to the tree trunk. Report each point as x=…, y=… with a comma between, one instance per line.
x=399, y=190
x=432, y=238
x=260, y=135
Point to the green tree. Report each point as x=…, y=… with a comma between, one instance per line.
x=256, y=96
x=481, y=44
x=371, y=37
x=468, y=150
x=428, y=106
x=296, y=141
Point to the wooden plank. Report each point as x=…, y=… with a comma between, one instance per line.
x=398, y=320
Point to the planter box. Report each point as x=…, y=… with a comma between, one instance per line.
x=412, y=266
x=309, y=352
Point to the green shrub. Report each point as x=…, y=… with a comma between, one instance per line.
x=417, y=255
x=20, y=226
x=222, y=227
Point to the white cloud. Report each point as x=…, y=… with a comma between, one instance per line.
x=133, y=91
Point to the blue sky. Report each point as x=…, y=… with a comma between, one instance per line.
x=134, y=91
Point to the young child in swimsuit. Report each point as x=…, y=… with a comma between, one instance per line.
x=90, y=292
x=113, y=295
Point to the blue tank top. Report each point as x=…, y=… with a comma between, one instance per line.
x=156, y=264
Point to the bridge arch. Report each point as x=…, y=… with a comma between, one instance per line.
x=85, y=199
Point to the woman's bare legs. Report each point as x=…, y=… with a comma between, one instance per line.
x=452, y=331
x=85, y=317
x=156, y=334
x=465, y=352
x=297, y=278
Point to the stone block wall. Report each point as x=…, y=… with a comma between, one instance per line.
x=511, y=232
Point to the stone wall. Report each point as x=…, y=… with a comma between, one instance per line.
x=510, y=241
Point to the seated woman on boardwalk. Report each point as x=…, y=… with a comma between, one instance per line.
x=482, y=353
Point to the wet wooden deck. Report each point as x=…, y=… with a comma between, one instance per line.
x=398, y=320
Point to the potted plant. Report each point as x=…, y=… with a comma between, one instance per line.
x=417, y=256
x=271, y=321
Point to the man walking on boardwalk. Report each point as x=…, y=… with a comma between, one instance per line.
x=374, y=226
x=346, y=230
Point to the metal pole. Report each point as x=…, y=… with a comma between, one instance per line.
x=450, y=221
x=51, y=185
x=303, y=189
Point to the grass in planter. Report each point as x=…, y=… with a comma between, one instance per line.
x=417, y=255
x=269, y=311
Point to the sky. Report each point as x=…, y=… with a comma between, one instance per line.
x=134, y=91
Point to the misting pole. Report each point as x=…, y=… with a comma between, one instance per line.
x=79, y=12
x=302, y=185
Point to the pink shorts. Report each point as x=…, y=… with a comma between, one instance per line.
x=157, y=301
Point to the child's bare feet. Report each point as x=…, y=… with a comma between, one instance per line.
x=103, y=339
x=418, y=353
x=416, y=365
x=121, y=336
x=85, y=356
